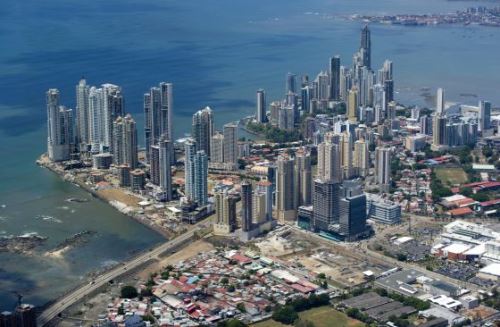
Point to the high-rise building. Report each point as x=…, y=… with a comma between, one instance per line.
x=246, y=206
x=365, y=47
x=265, y=188
x=426, y=125
x=439, y=130
x=189, y=170
x=165, y=169
x=303, y=178
x=196, y=174
x=113, y=107
x=260, y=115
x=291, y=83
x=285, y=190
x=225, y=211
x=383, y=167
x=82, y=111
x=352, y=105
x=323, y=90
x=484, y=115
x=440, y=101
x=335, y=78
x=194, y=171
x=325, y=204
x=389, y=90
x=125, y=142
x=158, y=111
x=200, y=178
x=230, y=138
x=352, y=213
x=7, y=319
x=60, y=136
x=329, y=162
x=217, y=148
x=25, y=315
x=154, y=167
x=203, y=129
x=361, y=158
x=347, y=155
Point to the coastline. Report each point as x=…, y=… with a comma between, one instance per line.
x=51, y=167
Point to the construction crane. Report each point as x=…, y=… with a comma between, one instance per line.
x=19, y=298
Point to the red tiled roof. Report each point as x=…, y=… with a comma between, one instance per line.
x=460, y=211
x=490, y=203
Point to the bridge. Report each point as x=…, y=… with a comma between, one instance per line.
x=78, y=294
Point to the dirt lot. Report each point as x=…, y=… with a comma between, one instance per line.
x=186, y=253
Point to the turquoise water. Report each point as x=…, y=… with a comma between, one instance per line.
x=217, y=53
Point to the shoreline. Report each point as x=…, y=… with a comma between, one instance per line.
x=157, y=229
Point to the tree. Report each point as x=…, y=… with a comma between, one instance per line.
x=241, y=306
x=128, y=292
x=480, y=197
x=285, y=314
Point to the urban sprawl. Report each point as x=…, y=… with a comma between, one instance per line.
x=343, y=208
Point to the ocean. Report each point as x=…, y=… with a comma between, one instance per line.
x=217, y=53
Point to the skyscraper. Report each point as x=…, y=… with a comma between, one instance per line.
x=125, y=142
x=325, y=204
x=165, y=169
x=217, y=148
x=335, y=78
x=189, y=170
x=440, y=101
x=352, y=105
x=329, y=162
x=230, y=138
x=203, y=129
x=260, y=115
x=484, y=115
x=154, y=167
x=347, y=155
x=285, y=190
x=246, y=206
x=59, y=128
x=265, y=187
x=82, y=111
x=352, y=212
x=291, y=83
x=196, y=174
x=303, y=178
x=383, y=167
x=361, y=158
x=200, y=178
x=113, y=107
x=158, y=111
x=167, y=107
x=438, y=130
x=225, y=211
x=365, y=47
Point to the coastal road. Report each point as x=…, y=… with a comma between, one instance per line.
x=68, y=300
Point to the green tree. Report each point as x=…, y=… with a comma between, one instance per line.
x=128, y=292
x=285, y=314
x=241, y=306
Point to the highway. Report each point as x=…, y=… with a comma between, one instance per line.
x=76, y=295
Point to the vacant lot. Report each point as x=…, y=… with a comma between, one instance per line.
x=455, y=175
x=321, y=317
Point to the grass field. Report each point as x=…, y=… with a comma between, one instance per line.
x=321, y=317
x=451, y=175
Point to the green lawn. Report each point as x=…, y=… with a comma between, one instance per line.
x=321, y=317
x=451, y=176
